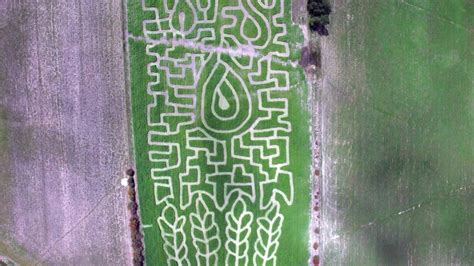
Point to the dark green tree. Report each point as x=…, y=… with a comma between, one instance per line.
x=319, y=11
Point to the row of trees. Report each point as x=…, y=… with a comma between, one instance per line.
x=134, y=224
x=319, y=11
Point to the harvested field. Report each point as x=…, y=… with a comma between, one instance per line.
x=63, y=133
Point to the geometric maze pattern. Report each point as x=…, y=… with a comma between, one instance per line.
x=218, y=128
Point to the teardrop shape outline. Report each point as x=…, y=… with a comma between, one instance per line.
x=194, y=14
x=244, y=88
x=254, y=22
x=268, y=5
x=234, y=93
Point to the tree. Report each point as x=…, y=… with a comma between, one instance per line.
x=319, y=11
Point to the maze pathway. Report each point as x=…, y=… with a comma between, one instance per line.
x=221, y=132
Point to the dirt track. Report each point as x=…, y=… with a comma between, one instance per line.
x=63, y=133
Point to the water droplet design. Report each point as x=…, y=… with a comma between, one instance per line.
x=223, y=103
x=250, y=29
x=226, y=103
x=183, y=18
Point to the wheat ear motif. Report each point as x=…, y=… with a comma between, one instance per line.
x=239, y=222
x=172, y=231
x=205, y=233
x=268, y=234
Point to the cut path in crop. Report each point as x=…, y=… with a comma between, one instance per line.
x=221, y=132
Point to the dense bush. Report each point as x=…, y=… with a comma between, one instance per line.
x=130, y=172
x=131, y=182
x=132, y=207
x=319, y=11
x=134, y=224
x=132, y=194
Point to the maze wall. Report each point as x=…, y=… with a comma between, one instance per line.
x=221, y=132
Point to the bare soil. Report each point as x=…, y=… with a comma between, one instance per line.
x=63, y=133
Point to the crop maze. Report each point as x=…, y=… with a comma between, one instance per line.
x=221, y=131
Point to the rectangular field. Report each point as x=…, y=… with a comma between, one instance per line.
x=398, y=129
x=221, y=132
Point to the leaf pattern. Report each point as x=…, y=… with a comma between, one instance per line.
x=205, y=233
x=172, y=231
x=268, y=234
x=238, y=229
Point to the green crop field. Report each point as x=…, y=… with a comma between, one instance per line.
x=398, y=140
x=221, y=132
